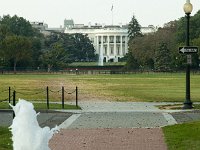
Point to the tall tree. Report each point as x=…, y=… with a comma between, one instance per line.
x=16, y=48
x=84, y=49
x=36, y=50
x=134, y=29
x=18, y=26
x=162, y=58
x=143, y=49
x=78, y=46
x=131, y=63
x=56, y=57
x=194, y=28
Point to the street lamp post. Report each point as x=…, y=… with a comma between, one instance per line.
x=188, y=9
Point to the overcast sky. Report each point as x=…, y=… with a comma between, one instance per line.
x=53, y=12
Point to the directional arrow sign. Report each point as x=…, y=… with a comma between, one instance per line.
x=188, y=49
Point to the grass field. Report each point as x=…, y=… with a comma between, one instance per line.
x=5, y=139
x=162, y=87
x=183, y=136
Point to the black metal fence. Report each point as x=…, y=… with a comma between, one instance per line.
x=80, y=71
x=11, y=97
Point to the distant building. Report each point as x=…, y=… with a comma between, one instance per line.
x=110, y=42
x=68, y=23
x=43, y=28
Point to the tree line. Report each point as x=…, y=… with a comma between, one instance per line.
x=158, y=51
x=22, y=46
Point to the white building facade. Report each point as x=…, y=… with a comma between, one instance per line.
x=110, y=42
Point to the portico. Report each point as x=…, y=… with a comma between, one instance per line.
x=111, y=46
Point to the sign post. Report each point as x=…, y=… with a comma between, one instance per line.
x=188, y=50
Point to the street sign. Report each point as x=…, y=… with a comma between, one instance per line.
x=188, y=49
x=189, y=59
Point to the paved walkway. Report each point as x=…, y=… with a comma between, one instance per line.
x=110, y=125
x=109, y=139
x=113, y=125
x=46, y=118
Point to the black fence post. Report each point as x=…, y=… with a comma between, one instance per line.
x=9, y=94
x=63, y=97
x=14, y=102
x=76, y=96
x=47, y=97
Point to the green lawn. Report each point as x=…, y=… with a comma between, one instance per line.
x=136, y=87
x=5, y=139
x=168, y=87
x=183, y=136
x=96, y=63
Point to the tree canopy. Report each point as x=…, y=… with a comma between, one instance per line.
x=16, y=48
x=18, y=26
x=134, y=28
x=150, y=50
x=67, y=48
x=134, y=31
x=21, y=45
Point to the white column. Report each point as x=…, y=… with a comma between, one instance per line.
x=101, y=53
x=121, y=52
x=108, y=47
x=115, y=48
x=97, y=44
x=126, y=44
x=102, y=45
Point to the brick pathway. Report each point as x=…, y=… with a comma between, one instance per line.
x=109, y=139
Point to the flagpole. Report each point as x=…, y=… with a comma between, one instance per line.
x=112, y=14
x=112, y=18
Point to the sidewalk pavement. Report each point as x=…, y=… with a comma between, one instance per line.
x=46, y=118
x=107, y=114
x=110, y=125
x=115, y=126
x=109, y=139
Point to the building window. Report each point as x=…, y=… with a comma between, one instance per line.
x=105, y=50
x=123, y=50
x=123, y=39
x=92, y=40
x=104, y=39
x=99, y=40
x=118, y=39
x=111, y=50
x=111, y=39
x=118, y=50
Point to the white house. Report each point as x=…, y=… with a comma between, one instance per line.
x=110, y=42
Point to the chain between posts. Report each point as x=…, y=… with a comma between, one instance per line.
x=47, y=95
